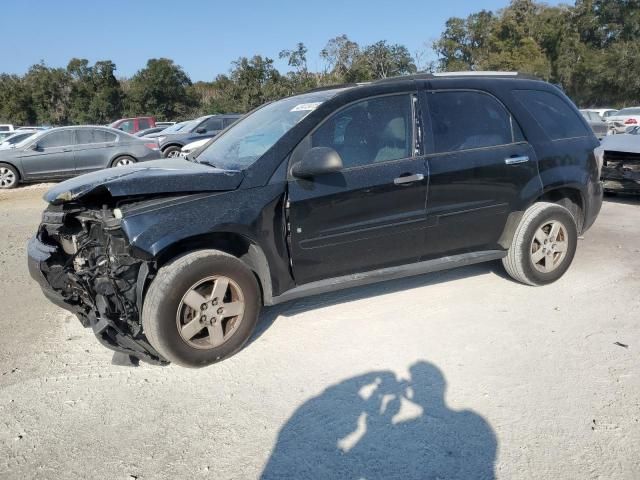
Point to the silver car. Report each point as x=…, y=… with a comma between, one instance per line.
x=65, y=152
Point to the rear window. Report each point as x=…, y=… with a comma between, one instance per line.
x=553, y=114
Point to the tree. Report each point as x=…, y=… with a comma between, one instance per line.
x=160, y=89
x=382, y=60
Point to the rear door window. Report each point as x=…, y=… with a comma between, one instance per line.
x=143, y=123
x=464, y=120
x=553, y=114
x=212, y=124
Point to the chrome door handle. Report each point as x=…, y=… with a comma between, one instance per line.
x=66, y=149
x=515, y=160
x=408, y=179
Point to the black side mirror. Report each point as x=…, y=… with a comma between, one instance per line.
x=35, y=147
x=318, y=161
x=201, y=130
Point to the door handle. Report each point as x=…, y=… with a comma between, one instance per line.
x=66, y=149
x=516, y=160
x=408, y=179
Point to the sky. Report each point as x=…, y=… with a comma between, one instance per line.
x=204, y=37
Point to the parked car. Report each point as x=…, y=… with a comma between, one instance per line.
x=193, y=146
x=620, y=159
x=597, y=124
x=6, y=127
x=149, y=131
x=133, y=125
x=164, y=124
x=6, y=134
x=65, y=152
x=177, y=136
x=627, y=117
x=18, y=136
x=172, y=260
x=604, y=113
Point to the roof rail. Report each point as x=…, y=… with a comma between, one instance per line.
x=472, y=73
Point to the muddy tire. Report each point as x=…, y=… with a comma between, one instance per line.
x=201, y=308
x=543, y=246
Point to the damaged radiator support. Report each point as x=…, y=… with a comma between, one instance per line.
x=621, y=171
x=92, y=269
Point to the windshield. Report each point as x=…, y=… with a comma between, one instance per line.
x=249, y=138
x=179, y=126
x=35, y=136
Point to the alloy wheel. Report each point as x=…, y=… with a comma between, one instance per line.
x=7, y=177
x=210, y=312
x=549, y=246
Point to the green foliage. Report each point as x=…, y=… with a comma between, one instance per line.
x=590, y=49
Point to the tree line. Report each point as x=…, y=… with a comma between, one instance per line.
x=590, y=49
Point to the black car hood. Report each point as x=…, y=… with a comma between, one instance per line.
x=173, y=175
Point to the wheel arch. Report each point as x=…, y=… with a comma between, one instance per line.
x=172, y=144
x=569, y=197
x=238, y=245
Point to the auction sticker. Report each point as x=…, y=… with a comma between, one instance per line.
x=306, y=107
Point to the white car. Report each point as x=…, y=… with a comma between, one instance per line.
x=191, y=147
x=6, y=127
x=604, y=113
x=625, y=118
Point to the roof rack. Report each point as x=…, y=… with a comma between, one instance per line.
x=474, y=73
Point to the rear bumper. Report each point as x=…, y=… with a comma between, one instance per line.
x=593, y=204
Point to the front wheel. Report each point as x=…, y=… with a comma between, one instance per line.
x=543, y=246
x=171, y=152
x=122, y=161
x=201, y=308
x=9, y=176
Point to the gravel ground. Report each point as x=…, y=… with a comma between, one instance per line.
x=461, y=374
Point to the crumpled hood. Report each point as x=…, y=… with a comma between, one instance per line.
x=172, y=175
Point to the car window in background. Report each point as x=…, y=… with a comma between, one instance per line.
x=186, y=126
x=370, y=131
x=143, y=123
x=127, y=126
x=628, y=111
x=228, y=121
x=61, y=138
x=553, y=114
x=463, y=120
x=212, y=124
x=89, y=135
x=240, y=146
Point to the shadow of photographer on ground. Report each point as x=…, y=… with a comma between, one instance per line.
x=374, y=426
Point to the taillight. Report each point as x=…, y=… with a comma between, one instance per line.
x=631, y=121
x=152, y=146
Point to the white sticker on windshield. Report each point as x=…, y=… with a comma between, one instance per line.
x=306, y=107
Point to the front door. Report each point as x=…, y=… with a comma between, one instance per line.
x=50, y=156
x=371, y=214
x=481, y=169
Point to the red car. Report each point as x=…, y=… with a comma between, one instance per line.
x=134, y=124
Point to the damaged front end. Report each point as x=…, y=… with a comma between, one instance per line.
x=621, y=172
x=84, y=263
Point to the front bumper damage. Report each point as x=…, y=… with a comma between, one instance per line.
x=621, y=172
x=83, y=263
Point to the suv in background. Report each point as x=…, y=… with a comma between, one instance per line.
x=173, y=138
x=134, y=124
x=172, y=260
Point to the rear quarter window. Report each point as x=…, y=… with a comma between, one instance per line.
x=553, y=114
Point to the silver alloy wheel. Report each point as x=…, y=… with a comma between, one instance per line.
x=174, y=154
x=210, y=312
x=7, y=178
x=549, y=246
x=124, y=161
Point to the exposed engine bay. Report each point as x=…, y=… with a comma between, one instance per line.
x=621, y=171
x=91, y=267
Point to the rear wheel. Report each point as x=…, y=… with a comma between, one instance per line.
x=171, y=152
x=543, y=246
x=122, y=161
x=9, y=176
x=201, y=308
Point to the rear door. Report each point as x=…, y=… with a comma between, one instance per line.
x=371, y=214
x=94, y=148
x=480, y=169
x=51, y=156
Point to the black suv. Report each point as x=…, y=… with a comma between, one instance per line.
x=172, y=260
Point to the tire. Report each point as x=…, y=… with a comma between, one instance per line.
x=191, y=279
x=172, y=151
x=532, y=261
x=123, y=161
x=9, y=176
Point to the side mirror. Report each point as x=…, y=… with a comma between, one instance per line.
x=201, y=130
x=318, y=161
x=34, y=146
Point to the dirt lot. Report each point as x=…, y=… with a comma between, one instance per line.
x=462, y=374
